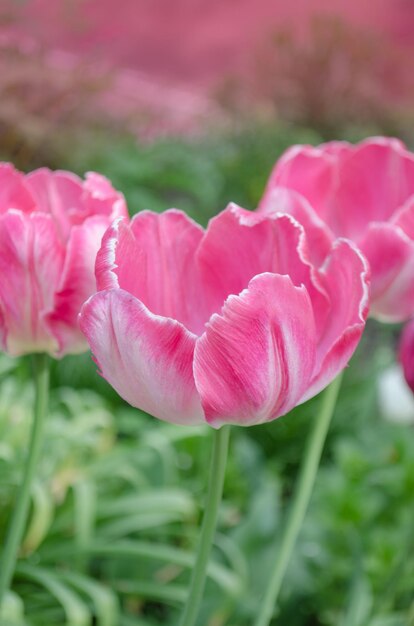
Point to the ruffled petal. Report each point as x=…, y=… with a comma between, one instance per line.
x=372, y=183
x=319, y=236
x=240, y=244
x=148, y=359
x=71, y=201
x=346, y=279
x=348, y=186
x=14, y=193
x=153, y=258
x=31, y=260
x=100, y=198
x=310, y=171
x=76, y=285
x=390, y=253
x=256, y=358
x=57, y=193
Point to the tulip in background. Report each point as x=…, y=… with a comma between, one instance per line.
x=51, y=226
x=232, y=325
x=364, y=192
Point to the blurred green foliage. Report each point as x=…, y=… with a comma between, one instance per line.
x=200, y=175
x=118, y=498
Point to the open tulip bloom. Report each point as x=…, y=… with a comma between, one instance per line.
x=51, y=226
x=364, y=192
x=234, y=324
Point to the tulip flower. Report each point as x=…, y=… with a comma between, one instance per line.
x=51, y=226
x=406, y=353
x=231, y=325
x=363, y=192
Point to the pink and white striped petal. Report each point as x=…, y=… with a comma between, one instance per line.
x=148, y=359
x=240, y=245
x=31, y=260
x=255, y=359
x=76, y=284
x=153, y=258
x=346, y=280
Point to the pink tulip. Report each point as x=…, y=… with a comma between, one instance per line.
x=51, y=226
x=366, y=193
x=406, y=353
x=232, y=324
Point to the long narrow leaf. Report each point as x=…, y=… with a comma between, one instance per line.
x=104, y=599
x=75, y=610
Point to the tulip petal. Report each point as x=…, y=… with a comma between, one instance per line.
x=348, y=186
x=76, y=284
x=346, y=278
x=14, y=193
x=390, y=253
x=56, y=193
x=319, y=236
x=404, y=217
x=71, y=201
x=31, y=259
x=256, y=358
x=310, y=171
x=100, y=198
x=239, y=245
x=148, y=359
x=153, y=258
x=373, y=182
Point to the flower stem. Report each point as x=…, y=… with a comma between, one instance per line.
x=18, y=520
x=302, y=495
x=215, y=489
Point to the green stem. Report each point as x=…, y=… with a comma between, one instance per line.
x=215, y=490
x=18, y=520
x=303, y=492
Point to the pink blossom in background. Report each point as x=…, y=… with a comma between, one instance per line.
x=51, y=226
x=232, y=324
x=406, y=353
x=364, y=192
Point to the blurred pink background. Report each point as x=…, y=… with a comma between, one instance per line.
x=183, y=59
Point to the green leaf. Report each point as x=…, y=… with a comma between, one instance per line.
x=41, y=518
x=104, y=599
x=75, y=610
x=170, y=594
x=84, y=511
x=154, y=501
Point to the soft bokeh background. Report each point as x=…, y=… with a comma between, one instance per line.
x=188, y=103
